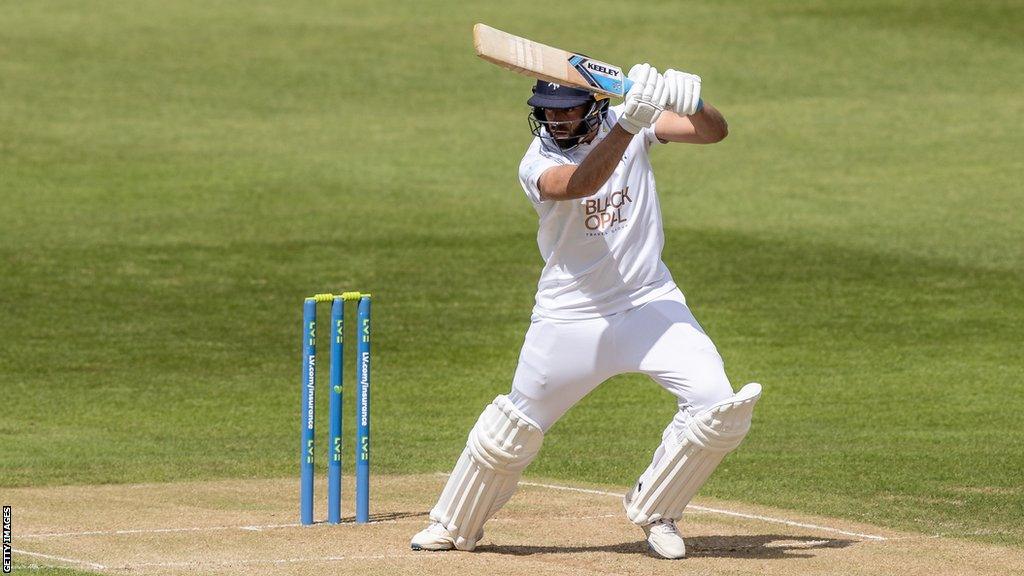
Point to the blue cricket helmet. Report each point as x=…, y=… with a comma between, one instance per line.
x=553, y=96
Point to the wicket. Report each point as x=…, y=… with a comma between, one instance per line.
x=362, y=447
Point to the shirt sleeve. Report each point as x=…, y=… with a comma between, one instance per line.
x=650, y=138
x=535, y=163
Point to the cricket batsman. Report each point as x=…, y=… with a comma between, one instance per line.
x=606, y=304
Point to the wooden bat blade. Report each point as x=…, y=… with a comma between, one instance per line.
x=548, y=63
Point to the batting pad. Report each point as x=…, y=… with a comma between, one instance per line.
x=691, y=458
x=502, y=443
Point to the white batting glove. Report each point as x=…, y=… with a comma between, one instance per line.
x=683, y=92
x=645, y=99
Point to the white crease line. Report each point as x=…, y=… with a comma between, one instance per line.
x=720, y=511
x=132, y=531
x=280, y=560
x=787, y=522
x=574, y=489
x=60, y=559
x=249, y=528
x=260, y=528
x=252, y=528
x=954, y=535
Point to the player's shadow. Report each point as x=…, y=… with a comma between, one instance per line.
x=760, y=546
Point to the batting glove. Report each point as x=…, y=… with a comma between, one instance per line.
x=683, y=92
x=645, y=100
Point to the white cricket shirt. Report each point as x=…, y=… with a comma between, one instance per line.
x=602, y=253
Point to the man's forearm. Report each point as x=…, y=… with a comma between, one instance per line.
x=709, y=124
x=598, y=166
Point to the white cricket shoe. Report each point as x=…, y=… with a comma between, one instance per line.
x=437, y=538
x=434, y=538
x=664, y=540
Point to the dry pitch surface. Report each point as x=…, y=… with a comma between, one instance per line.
x=246, y=527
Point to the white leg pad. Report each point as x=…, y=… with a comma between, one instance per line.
x=502, y=443
x=690, y=458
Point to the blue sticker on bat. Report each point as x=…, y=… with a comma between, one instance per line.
x=599, y=75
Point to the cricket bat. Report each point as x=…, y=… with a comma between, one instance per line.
x=547, y=63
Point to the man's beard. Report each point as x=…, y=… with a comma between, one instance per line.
x=575, y=138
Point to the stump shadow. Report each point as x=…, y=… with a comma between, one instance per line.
x=386, y=516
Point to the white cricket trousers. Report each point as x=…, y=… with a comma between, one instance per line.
x=564, y=360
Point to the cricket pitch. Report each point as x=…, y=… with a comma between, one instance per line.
x=250, y=526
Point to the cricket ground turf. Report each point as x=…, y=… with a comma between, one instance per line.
x=176, y=176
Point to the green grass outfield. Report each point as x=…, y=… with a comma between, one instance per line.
x=175, y=177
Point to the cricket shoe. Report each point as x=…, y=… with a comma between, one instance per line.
x=436, y=538
x=664, y=540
